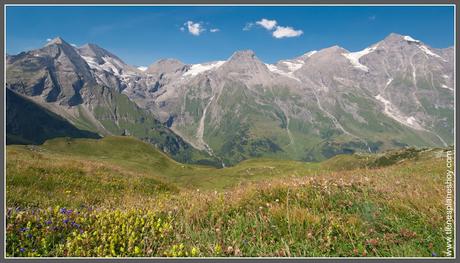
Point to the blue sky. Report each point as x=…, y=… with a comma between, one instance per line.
x=141, y=35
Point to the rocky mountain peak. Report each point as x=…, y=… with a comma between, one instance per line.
x=243, y=55
x=57, y=41
x=397, y=39
x=165, y=66
x=96, y=52
x=307, y=55
x=333, y=50
x=243, y=58
x=245, y=66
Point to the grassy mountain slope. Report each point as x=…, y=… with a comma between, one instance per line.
x=121, y=116
x=147, y=204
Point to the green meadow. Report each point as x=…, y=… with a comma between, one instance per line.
x=120, y=197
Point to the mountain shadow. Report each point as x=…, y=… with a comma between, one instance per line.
x=29, y=123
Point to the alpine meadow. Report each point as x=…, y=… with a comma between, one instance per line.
x=309, y=149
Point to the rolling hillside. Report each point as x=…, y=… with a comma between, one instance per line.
x=67, y=197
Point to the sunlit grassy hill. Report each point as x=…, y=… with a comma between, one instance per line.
x=118, y=196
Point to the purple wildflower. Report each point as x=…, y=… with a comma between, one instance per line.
x=65, y=221
x=24, y=229
x=22, y=249
x=29, y=236
x=48, y=222
x=63, y=210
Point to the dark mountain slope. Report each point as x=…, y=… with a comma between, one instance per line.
x=29, y=123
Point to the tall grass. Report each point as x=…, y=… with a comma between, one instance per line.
x=390, y=211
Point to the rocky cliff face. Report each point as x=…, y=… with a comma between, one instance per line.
x=396, y=92
x=84, y=86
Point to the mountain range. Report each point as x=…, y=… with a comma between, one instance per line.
x=397, y=92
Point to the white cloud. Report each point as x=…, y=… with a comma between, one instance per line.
x=287, y=31
x=48, y=39
x=214, y=30
x=277, y=30
x=182, y=28
x=248, y=26
x=267, y=24
x=194, y=28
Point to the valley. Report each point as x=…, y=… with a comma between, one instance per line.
x=119, y=196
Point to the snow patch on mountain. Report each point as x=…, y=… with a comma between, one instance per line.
x=354, y=57
x=446, y=87
x=389, y=81
x=308, y=54
x=393, y=113
x=294, y=65
x=278, y=71
x=429, y=52
x=200, y=68
x=410, y=39
x=109, y=65
x=142, y=68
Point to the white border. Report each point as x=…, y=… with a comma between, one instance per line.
x=225, y=5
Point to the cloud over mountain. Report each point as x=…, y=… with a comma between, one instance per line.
x=194, y=28
x=277, y=30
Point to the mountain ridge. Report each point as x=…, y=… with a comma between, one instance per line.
x=397, y=91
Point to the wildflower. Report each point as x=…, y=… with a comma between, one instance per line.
x=229, y=250
x=29, y=236
x=24, y=229
x=65, y=221
x=195, y=251
x=63, y=210
x=277, y=200
x=48, y=222
x=433, y=254
x=373, y=242
x=22, y=249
